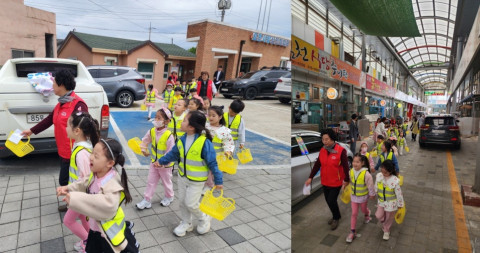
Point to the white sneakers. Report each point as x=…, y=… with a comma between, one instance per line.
x=80, y=246
x=144, y=204
x=204, y=224
x=166, y=201
x=386, y=236
x=182, y=229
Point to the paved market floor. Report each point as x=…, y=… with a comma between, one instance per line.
x=30, y=222
x=433, y=222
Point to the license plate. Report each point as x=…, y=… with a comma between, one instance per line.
x=35, y=118
x=224, y=89
x=438, y=131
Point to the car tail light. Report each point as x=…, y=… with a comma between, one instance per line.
x=454, y=128
x=105, y=117
x=424, y=127
x=424, y=138
x=454, y=139
x=142, y=81
x=280, y=80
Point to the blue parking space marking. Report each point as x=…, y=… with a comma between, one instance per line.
x=264, y=151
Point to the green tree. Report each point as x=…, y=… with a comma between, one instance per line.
x=193, y=50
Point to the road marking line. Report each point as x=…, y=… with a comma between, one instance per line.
x=123, y=141
x=268, y=137
x=463, y=239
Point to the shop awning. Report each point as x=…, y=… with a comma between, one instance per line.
x=380, y=18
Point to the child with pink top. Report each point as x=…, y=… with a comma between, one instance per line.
x=162, y=141
x=150, y=99
x=84, y=130
x=362, y=189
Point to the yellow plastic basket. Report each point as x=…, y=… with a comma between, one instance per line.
x=408, y=132
x=134, y=144
x=21, y=149
x=346, y=194
x=407, y=149
x=401, y=179
x=374, y=153
x=400, y=215
x=245, y=156
x=227, y=164
x=143, y=107
x=217, y=207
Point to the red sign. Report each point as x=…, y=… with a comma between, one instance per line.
x=379, y=87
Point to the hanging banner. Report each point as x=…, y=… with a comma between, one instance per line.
x=309, y=57
x=379, y=87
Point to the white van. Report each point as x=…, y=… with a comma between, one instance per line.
x=21, y=107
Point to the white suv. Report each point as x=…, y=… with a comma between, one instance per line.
x=21, y=107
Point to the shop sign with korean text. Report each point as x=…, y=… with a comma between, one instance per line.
x=309, y=57
x=379, y=87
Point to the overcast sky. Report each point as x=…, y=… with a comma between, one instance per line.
x=169, y=18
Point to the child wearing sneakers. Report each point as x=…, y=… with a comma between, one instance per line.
x=197, y=156
x=390, y=197
x=235, y=122
x=362, y=189
x=402, y=142
x=162, y=141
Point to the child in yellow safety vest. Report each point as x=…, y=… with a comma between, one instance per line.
x=362, y=189
x=150, y=99
x=168, y=94
x=235, y=122
x=390, y=197
x=162, y=141
x=379, y=144
x=175, y=98
x=402, y=143
x=387, y=154
x=196, y=156
x=364, y=151
x=179, y=113
x=99, y=196
x=82, y=128
x=222, y=139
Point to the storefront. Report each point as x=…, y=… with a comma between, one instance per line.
x=221, y=44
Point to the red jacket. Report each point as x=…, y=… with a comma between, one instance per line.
x=332, y=173
x=209, y=89
x=61, y=113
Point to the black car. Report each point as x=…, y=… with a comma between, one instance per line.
x=253, y=84
x=440, y=129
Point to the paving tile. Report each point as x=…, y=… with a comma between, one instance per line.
x=30, y=224
x=9, y=217
x=31, y=194
x=261, y=227
x=13, y=197
x=50, y=219
x=245, y=247
x=49, y=209
x=174, y=246
x=30, y=249
x=276, y=223
x=280, y=240
x=54, y=245
x=194, y=244
x=11, y=206
x=145, y=239
x=162, y=235
x=8, y=243
x=244, y=215
x=230, y=236
x=9, y=229
x=152, y=221
x=52, y=232
x=246, y=231
x=48, y=199
x=264, y=245
x=29, y=203
x=213, y=241
x=30, y=213
x=329, y=240
x=155, y=249
x=28, y=238
x=169, y=219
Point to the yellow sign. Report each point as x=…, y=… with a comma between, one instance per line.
x=332, y=93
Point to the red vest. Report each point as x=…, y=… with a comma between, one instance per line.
x=331, y=173
x=61, y=113
x=209, y=89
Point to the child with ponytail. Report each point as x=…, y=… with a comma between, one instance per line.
x=99, y=196
x=197, y=156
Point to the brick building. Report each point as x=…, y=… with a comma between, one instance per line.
x=155, y=61
x=219, y=44
x=26, y=31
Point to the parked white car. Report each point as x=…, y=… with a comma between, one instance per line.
x=283, y=90
x=303, y=164
x=21, y=107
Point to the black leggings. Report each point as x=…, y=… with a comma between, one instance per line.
x=331, y=195
x=414, y=136
x=64, y=171
x=97, y=244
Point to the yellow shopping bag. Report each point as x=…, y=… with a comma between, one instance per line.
x=20, y=149
x=400, y=215
x=346, y=194
x=217, y=207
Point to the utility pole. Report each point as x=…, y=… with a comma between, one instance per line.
x=149, y=30
x=224, y=5
x=239, y=57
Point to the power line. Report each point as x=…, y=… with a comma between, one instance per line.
x=268, y=19
x=118, y=30
x=259, y=12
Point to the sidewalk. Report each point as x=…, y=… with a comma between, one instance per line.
x=430, y=224
x=30, y=222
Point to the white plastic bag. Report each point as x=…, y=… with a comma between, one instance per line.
x=307, y=189
x=42, y=82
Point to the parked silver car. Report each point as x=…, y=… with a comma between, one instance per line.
x=283, y=90
x=303, y=164
x=123, y=85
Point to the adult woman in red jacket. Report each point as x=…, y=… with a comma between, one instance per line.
x=205, y=87
x=334, y=175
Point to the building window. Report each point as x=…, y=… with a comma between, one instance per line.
x=19, y=53
x=109, y=62
x=166, y=69
x=316, y=93
x=146, y=69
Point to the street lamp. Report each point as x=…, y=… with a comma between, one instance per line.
x=224, y=5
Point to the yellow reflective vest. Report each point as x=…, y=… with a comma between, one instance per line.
x=234, y=126
x=168, y=96
x=358, y=185
x=379, y=148
x=191, y=164
x=73, y=172
x=171, y=126
x=217, y=144
x=151, y=96
x=114, y=228
x=385, y=193
x=173, y=101
x=159, y=148
x=389, y=156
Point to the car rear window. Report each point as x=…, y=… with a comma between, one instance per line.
x=253, y=75
x=122, y=71
x=23, y=69
x=439, y=121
